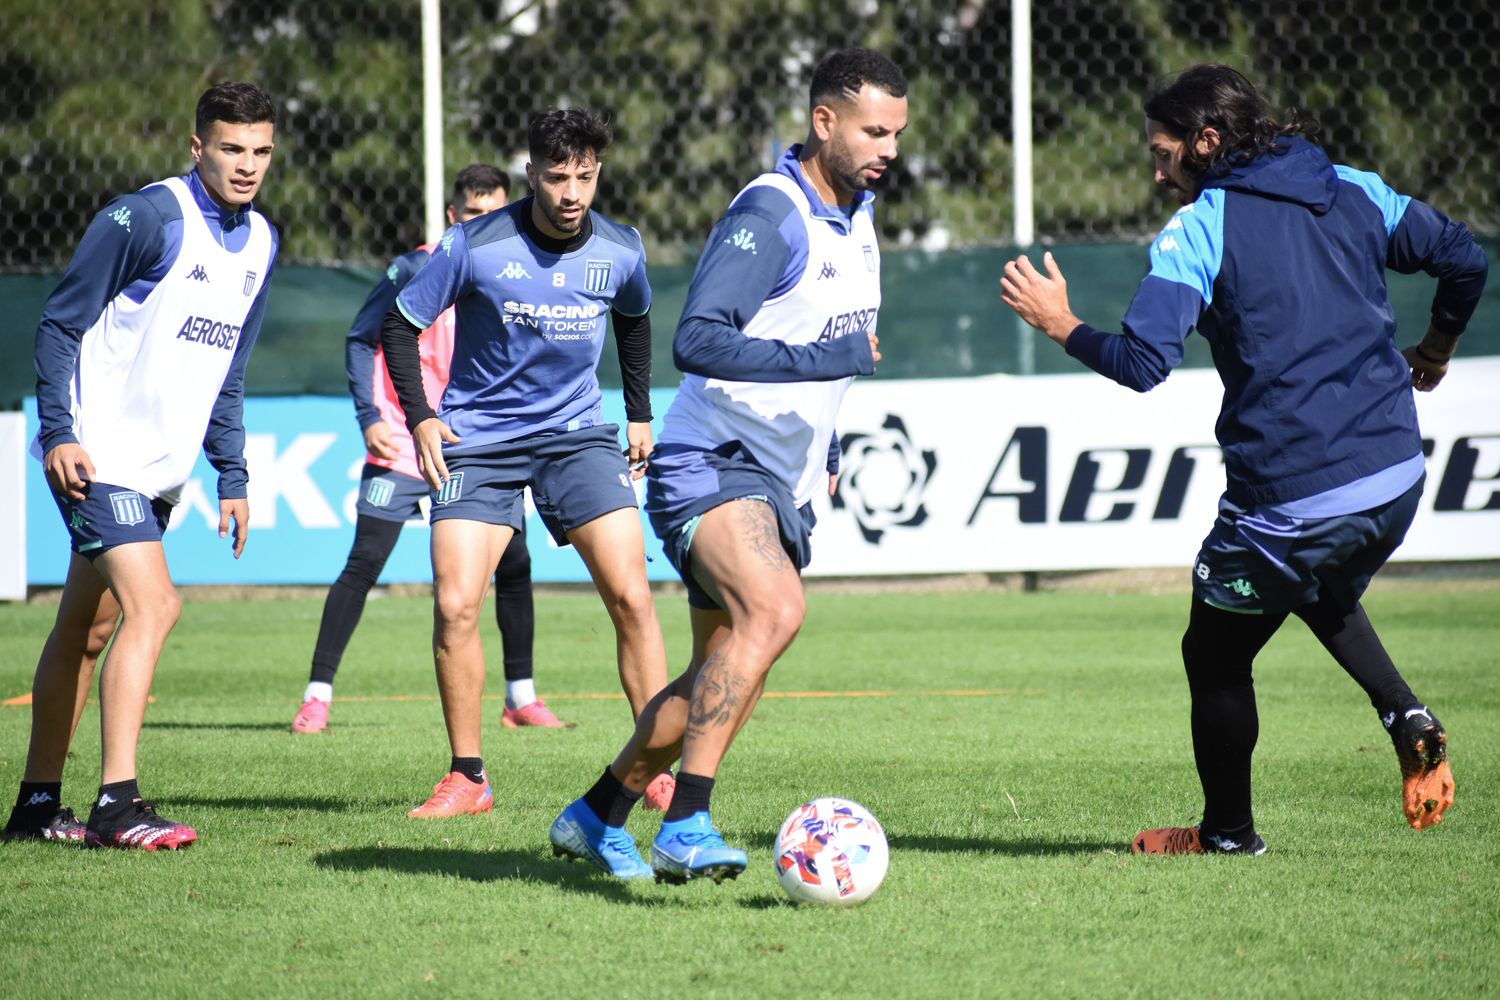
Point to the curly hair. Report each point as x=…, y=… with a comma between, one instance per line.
x=1220, y=98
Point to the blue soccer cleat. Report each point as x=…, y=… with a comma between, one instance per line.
x=692, y=848
x=577, y=834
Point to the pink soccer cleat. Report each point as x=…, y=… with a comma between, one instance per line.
x=312, y=717
x=140, y=829
x=535, y=714
x=455, y=795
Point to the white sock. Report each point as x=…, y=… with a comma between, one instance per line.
x=319, y=690
x=519, y=694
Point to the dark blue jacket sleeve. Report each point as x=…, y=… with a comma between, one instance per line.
x=224, y=442
x=1158, y=321
x=123, y=243
x=835, y=452
x=1426, y=240
x=364, y=334
x=744, y=263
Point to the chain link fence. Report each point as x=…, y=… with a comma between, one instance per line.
x=702, y=96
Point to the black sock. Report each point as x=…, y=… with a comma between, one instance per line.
x=470, y=767
x=374, y=540
x=114, y=800
x=609, y=800
x=691, y=796
x=1352, y=641
x=36, y=803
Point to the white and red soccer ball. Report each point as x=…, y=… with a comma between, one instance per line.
x=831, y=851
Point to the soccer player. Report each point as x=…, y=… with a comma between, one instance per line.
x=780, y=316
x=529, y=286
x=140, y=359
x=390, y=485
x=1278, y=258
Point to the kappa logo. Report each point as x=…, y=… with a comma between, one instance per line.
x=127, y=507
x=453, y=489
x=1168, y=243
x=1243, y=588
x=829, y=271
x=379, y=492
x=883, y=479
x=198, y=274
x=513, y=271
x=392, y=273
x=743, y=240
x=446, y=243
x=122, y=216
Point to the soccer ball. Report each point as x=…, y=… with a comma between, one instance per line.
x=831, y=851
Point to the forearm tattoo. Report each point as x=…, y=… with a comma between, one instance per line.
x=758, y=530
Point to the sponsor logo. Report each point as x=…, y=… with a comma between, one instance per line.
x=513, y=271
x=249, y=282
x=122, y=216
x=379, y=492
x=743, y=240
x=128, y=507
x=1176, y=223
x=391, y=273
x=596, y=275
x=560, y=321
x=198, y=274
x=883, y=479
x=39, y=798
x=452, y=489
x=855, y=321
x=828, y=271
x=210, y=332
x=870, y=260
x=1168, y=243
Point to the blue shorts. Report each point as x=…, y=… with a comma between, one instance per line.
x=1255, y=562
x=390, y=496
x=575, y=477
x=683, y=484
x=108, y=516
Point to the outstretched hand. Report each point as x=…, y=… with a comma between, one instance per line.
x=1039, y=299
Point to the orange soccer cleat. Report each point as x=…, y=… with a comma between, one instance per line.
x=1190, y=840
x=455, y=795
x=535, y=714
x=1422, y=752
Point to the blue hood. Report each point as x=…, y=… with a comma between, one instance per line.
x=1296, y=171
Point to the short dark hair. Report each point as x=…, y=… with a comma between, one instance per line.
x=841, y=75
x=1218, y=97
x=567, y=134
x=235, y=103
x=478, y=178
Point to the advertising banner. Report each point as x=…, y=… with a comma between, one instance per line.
x=12, y=507
x=985, y=474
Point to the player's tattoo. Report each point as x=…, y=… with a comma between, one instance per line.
x=758, y=527
x=717, y=696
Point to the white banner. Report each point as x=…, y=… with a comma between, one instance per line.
x=1065, y=472
x=12, y=506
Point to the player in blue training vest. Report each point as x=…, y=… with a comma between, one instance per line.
x=532, y=286
x=1278, y=258
x=780, y=317
x=140, y=359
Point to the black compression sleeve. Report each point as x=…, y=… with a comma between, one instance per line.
x=398, y=335
x=633, y=340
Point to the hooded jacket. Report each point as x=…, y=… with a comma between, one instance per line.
x=1280, y=264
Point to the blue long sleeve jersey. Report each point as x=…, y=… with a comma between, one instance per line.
x=1280, y=264
x=125, y=273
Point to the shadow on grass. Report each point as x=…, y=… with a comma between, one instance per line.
x=476, y=866
x=210, y=726
x=316, y=803
x=1010, y=848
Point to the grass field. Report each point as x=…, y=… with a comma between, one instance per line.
x=1010, y=743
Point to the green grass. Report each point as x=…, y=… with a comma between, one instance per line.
x=1008, y=815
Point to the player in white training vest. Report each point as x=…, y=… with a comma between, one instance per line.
x=779, y=319
x=140, y=359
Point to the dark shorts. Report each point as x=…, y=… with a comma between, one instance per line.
x=108, y=516
x=683, y=484
x=575, y=477
x=390, y=496
x=1255, y=563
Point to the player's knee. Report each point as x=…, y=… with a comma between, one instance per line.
x=632, y=605
x=100, y=631
x=774, y=621
x=456, y=610
x=1213, y=666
